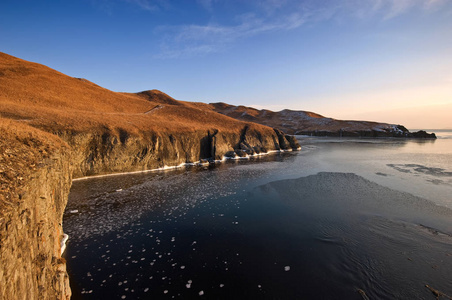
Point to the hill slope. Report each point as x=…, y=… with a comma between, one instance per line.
x=309, y=123
x=73, y=108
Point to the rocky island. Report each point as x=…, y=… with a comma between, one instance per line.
x=54, y=128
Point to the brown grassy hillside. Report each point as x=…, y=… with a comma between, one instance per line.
x=42, y=97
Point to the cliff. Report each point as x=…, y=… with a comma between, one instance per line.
x=53, y=127
x=35, y=179
x=309, y=123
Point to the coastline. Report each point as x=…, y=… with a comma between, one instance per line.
x=198, y=163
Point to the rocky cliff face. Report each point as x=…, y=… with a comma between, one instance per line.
x=121, y=151
x=35, y=178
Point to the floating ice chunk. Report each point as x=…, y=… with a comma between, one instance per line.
x=201, y=293
x=182, y=267
x=287, y=268
x=146, y=290
x=74, y=211
x=123, y=297
x=188, y=285
x=165, y=292
x=119, y=190
x=221, y=285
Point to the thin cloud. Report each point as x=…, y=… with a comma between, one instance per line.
x=144, y=4
x=273, y=16
x=206, y=4
x=150, y=5
x=203, y=39
x=399, y=7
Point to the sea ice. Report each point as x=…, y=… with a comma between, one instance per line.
x=287, y=268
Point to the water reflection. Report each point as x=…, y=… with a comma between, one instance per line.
x=335, y=220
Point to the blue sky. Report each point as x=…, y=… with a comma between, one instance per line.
x=383, y=60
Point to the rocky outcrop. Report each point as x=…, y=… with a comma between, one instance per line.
x=309, y=123
x=121, y=151
x=35, y=178
x=422, y=134
x=397, y=132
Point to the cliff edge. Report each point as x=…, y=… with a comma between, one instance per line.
x=54, y=127
x=35, y=178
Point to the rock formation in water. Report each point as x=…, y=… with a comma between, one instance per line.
x=53, y=127
x=309, y=123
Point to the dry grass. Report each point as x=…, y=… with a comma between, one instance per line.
x=44, y=98
x=22, y=148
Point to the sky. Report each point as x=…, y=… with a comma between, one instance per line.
x=378, y=60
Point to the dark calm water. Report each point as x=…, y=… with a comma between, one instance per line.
x=341, y=219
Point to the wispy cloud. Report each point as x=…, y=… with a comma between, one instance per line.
x=144, y=4
x=150, y=5
x=193, y=40
x=206, y=4
x=275, y=15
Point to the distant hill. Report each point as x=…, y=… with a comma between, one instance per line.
x=309, y=123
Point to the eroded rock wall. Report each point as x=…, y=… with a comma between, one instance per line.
x=35, y=178
x=115, y=151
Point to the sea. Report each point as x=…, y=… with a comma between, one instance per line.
x=343, y=218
